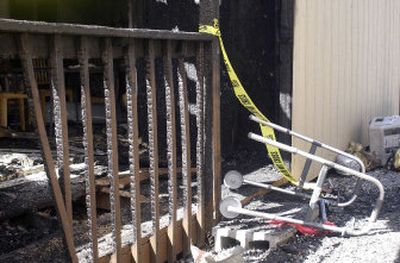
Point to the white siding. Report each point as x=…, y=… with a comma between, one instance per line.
x=346, y=68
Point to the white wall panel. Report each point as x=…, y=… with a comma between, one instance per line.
x=346, y=68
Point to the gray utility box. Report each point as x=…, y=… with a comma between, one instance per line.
x=384, y=137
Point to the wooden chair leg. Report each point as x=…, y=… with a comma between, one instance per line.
x=3, y=112
x=22, y=114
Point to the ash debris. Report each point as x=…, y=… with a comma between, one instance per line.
x=382, y=244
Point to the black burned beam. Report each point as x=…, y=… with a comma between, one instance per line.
x=209, y=10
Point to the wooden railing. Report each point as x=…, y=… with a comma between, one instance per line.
x=179, y=53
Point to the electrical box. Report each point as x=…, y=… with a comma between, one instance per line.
x=384, y=137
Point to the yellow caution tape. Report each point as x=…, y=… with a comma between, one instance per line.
x=248, y=103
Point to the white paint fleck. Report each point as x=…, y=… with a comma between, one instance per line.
x=175, y=29
x=285, y=101
x=191, y=71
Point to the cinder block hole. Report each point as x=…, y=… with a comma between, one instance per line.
x=259, y=244
x=228, y=242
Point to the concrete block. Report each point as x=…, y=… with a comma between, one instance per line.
x=226, y=237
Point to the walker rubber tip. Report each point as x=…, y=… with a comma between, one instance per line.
x=233, y=179
x=227, y=202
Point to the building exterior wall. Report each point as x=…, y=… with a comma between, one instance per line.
x=4, y=9
x=346, y=68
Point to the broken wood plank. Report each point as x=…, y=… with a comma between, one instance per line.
x=144, y=174
x=125, y=194
x=33, y=192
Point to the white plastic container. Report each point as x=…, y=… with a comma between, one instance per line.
x=384, y=137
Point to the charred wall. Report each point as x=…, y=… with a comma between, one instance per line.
x=258, y=36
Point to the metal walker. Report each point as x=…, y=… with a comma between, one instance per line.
x=231, y=207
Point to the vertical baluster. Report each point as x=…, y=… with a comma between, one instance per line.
x=212, y=127
x=216, y=127
x=153, y=148
x=200, y=140
x=112, y=147
x=134, y=164
x=186, y=161
x=29, y=75
x=60, y=119
x=171, y=148
x=86, y=105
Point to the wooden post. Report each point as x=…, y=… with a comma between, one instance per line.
x=209, y=10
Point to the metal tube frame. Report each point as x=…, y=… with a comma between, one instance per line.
x=275, y=188
x=320, y=145
x=326, y=164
